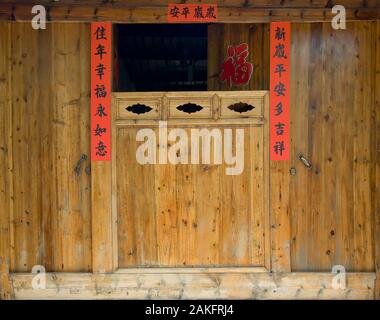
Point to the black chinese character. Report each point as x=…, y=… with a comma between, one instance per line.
x=100, y=111
x=279, y=69
x=198, y=13
x=280, y=128
x=279, y=147
x=280, y=33
x=100, y=50
x=101, y=147
x=100, y=70
x=185, y=12
x=100, y=33
x=174, y=12
x=280, y=89
x=280, y=52
x=210, y=12
x=99, y=130
x=278, y=109
x=100, y=91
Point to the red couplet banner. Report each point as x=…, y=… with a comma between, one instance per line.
x=280, y=91
x=192, y=13
x=101, y=53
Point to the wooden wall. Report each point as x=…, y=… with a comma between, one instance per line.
x=47, y=76
x=320, y=217
x=223, y=35
x=324, y=216
x=5, y=158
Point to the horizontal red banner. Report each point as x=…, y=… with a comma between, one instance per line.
x=184, y=13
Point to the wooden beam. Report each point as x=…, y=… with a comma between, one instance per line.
x=5, y=160
x=230, y=284
x=222, y=3
x=158, y=14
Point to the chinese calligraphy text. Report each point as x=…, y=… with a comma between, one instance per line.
x=185, y=13
x=100, y=91
x=279, y=91
x=235, y=68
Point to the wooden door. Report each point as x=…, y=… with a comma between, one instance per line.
x=332, y=203
x=190, y=214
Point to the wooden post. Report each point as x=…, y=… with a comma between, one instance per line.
x=5, y=160
x=279, y=192
x=101, y=196
x=376, y=160
x=102, y=253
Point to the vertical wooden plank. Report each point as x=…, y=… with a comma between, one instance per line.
x=208, y=211
x=280, y=216
x=6, y=186
x=186, y=208
x=340, y=70
x=71, y=222
x=47, y=181
x=259, y=48
x=62, y=149
x=84, y=137
x=363, y=258
x=74, y=241
x=213, y=56
x=376, y=159
x=126, y=184
x=255, y=165
x=166, y=210
x=102, y=226
x=315, y=80
x=266, y=184
x=332, y=50
x=26, y=142
x=300, y=182
x=236, y=244
x=136, y=204
x=265, y=43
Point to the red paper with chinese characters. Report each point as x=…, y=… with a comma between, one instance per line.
x=236, y=70
x=279, y=91
x=101, y=53
x=184, y=13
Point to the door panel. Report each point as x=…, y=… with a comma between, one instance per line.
x=191, y=214
x=330, y=204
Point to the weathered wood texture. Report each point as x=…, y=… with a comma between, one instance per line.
x=257, y=36
x=102, y=222
x=197, y=284
x=191, y=214
x=324, y=216
x=376, y=188
x=155, y=11
x=50, y=131
x=221, y=3
x=332, y=89
x=5, y=160
x=221, y=36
